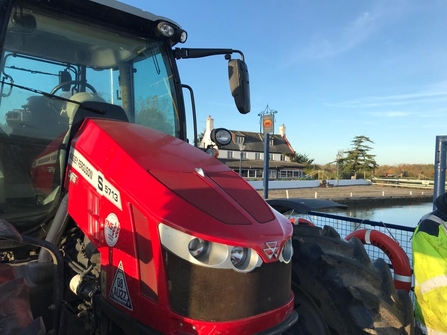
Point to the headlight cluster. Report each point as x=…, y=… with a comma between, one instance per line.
x=287, y=252
x=174, y=33
x=213, y=254
x=206, y=253
x=199, y=249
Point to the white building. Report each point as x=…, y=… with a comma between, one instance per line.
x=245, y=153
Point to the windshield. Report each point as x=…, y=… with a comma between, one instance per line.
x=48, y=58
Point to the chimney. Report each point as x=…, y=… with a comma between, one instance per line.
x=206, y=140
x=282, y=130
x=209, y=124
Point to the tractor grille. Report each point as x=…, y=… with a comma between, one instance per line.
x=210, y=294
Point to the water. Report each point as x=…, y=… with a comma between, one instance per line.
x=403, y=215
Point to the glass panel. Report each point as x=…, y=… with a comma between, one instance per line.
x=46, y=60
x=156, y=107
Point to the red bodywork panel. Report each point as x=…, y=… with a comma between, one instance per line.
x=131, y=178
x=43, y=169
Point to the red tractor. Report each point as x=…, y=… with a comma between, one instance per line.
x=112, y=223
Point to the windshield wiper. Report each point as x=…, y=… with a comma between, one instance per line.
x=52, y=96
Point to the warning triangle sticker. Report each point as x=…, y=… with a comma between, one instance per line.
x=119, y=292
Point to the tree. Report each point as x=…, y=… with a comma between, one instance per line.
x=339, y=163
x=156, y=113
x=301, y=158
x=200, y=137
x=358, y=159
x=418, y=171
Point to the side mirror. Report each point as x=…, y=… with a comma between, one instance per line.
x=65, y=77
x=239, y=84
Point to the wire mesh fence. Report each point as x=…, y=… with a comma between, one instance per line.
x=346, y=225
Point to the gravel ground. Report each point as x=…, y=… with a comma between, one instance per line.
x=350, y=192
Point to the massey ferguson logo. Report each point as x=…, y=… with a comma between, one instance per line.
x=272, y=249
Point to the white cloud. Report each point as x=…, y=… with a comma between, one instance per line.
x=433, y=93
x=390, y=114
x=351, y=34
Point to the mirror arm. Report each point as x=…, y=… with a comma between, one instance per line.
x=184, y=53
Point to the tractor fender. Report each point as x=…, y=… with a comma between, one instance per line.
x=301, y=221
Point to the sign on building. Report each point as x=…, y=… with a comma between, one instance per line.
x=267, y=123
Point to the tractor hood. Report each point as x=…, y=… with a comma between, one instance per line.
x=174, y=183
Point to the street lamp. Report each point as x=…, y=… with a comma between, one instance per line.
x=338, y=158
x=241, y=149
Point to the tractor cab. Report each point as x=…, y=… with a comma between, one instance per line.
x=56, y=57
x=51, y=62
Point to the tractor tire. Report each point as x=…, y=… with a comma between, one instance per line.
x=339, y=291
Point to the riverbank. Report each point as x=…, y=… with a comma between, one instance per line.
x=357, y=195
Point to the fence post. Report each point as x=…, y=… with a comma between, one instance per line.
x=440, y=164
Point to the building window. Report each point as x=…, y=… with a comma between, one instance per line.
x=282, y=158
x=243, y=155
x=257, y=155
x=230, y=154
x=290, y=174
x=271, y=157
x=239, y=139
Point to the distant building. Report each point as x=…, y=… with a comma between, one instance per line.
x=245, y=153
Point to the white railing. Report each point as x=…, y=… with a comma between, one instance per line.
x=291, y=184
x=399, y=182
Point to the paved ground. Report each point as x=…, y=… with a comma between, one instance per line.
x=351, y=193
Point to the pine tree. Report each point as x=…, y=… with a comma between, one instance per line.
x=301, y=158
x=358, y=159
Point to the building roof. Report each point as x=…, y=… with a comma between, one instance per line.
x=254, y=142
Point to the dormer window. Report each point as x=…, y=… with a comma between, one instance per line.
x=240, y=139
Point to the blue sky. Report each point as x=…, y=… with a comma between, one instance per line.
x=332, y=70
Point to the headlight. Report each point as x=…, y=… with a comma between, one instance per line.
x=183, y=36
x=198, y=248
x=166, y=29
x=206, y=253
x=175, y=34
x=212, y=152
x=238, y=256
x=220, y=136
x=287, y=252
